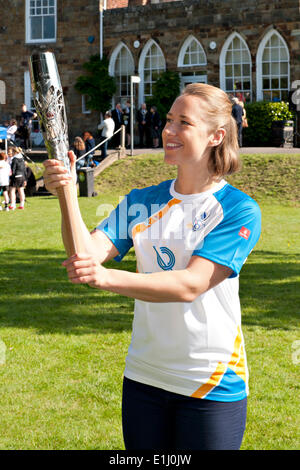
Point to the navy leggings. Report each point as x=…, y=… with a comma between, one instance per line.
x=154, y=419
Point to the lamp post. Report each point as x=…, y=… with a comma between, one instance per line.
x=133, y=79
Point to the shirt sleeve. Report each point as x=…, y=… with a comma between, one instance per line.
x=116, y=228
x=233, y=239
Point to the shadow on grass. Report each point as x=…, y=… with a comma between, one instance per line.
x=36, y=293
x=270, y=290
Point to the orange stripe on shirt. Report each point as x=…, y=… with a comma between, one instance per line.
x=212, y=382
x=139, y=228
x=236, y=363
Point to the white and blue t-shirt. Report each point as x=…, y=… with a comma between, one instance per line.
x=197, y=348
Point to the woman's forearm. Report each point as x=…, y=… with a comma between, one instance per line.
x=183, y=285
x=80, y=225
x=167, y=286
x=94, y=243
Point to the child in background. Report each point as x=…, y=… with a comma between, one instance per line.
x=11, y=130
x=10, y=155
x=4, y=178
x=18, y=179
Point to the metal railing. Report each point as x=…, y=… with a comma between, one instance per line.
x=122, y=130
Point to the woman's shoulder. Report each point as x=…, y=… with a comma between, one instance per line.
x=234, y=199
x=153, y=192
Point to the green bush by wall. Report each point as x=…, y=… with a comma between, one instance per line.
x=260, y=116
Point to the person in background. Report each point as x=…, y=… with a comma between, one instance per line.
x=143, y=118
x=237, y=113
x=79, y=149
x=126, y=121
x=117, y=116
x=11, y=130
x=107, y=128
x=5, y=172
x=89, y=145
x=155, y=127
x=10, y=154
x=30, y=186
x=18, y=179
x=244, y=117
x=26, y=125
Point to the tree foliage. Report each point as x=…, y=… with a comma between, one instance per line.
x=98, y=86
x=165, y=91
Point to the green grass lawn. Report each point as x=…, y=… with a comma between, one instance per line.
x=65, y=345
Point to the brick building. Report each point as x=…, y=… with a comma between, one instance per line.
x=250, y=48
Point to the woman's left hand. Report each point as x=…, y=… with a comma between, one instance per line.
x=85, y=269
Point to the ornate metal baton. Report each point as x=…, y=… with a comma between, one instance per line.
x=50, y=108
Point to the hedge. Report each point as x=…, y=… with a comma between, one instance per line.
x=260, y=116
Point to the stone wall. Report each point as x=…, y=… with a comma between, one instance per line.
x=169, y=23
x=77, y=21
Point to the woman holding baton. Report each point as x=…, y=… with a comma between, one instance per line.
x=186, y=380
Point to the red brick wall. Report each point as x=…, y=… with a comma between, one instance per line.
x=117, y=4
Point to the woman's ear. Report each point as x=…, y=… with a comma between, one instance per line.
x=217, y=137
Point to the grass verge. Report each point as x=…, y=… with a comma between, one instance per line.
x=64, y=346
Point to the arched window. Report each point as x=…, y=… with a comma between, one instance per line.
x=191, y=53
x=121, y=66
x=152, y=64
x=235, y=67
x=273, y=68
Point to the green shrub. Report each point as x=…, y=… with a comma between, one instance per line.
x=260, y=116
x=98, y=86
x=165, y=91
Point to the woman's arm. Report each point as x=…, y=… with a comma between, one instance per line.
x=96, y=244
x=167, y=286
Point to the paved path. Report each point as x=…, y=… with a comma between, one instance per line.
x=42, y=153
x=243, y=150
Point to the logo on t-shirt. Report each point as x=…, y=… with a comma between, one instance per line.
x=163, y=263
x=199, y=222
x=245, y=233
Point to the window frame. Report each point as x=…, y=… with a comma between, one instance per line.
x=259, y=62
x=222, y=62
x=112, y=70
x=183, y=51
x=143, y=56
x=28, y=34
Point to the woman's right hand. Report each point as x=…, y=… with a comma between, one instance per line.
x=56, y=174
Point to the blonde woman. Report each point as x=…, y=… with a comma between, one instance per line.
x=186, y=381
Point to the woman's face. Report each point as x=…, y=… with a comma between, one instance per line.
x=186, y=135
